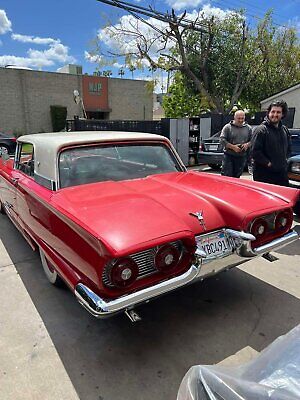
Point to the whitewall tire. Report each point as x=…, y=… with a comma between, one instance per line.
x=49, y=270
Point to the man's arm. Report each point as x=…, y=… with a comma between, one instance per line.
x=258, y=147
x=245, y=146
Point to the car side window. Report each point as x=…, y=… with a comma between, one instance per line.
x=25, y=162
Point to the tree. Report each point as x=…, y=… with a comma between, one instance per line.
x=107, y=73
x=121, y=72
x=181, y=101
x=224, y=63
x=132, y=68
x=278, y=52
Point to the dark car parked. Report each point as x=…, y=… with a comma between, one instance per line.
x=211, y=149
x=7, y=143
x=295, y=138
x=294, y=168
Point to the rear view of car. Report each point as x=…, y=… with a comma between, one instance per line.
x=211, y=151
x=7, y=143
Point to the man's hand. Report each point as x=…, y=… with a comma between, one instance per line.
x=244, y=146
x=234, y=147
x=269, y=164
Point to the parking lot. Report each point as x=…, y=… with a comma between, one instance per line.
x=51, y=348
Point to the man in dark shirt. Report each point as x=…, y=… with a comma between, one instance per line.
x=271, y=147
x=235, y=137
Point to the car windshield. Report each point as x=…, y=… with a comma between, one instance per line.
x=81, y=165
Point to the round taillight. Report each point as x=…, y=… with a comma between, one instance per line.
x=166, y=258
x=123, y=272
x=282, y=220
x=259, y=228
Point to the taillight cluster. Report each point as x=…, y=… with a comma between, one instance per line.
x=283, y=220
x=123, y=272
x=259, y=227
x=271, y=225
x=166, y=258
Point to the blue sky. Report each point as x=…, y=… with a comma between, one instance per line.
x=47, y=35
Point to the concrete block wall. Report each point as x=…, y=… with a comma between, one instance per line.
x=12, y=116
x=44, y=89
x=129, y=99
x=26, y=97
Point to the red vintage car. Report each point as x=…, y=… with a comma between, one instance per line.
x=120, y=220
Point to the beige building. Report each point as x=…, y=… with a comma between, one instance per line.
x=291, y=96
x=26, y=97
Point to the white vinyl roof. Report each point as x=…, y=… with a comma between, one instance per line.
x=47, y=145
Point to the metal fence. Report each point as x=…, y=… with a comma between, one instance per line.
x=115, y=125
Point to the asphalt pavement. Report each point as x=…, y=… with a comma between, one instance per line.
x=51, y=348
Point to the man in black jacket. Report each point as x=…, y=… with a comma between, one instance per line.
x=271, y=147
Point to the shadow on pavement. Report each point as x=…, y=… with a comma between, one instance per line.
x=202, y=324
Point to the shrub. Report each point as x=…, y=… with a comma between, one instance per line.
x=58, y=117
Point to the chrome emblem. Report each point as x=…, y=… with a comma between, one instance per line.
x=199, y=216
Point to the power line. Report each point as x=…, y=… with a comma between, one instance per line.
x=150, y=12
x=224, y=3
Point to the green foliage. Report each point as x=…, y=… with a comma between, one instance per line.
x=181, y=100
x=277, y=52
x=58, y=117
x=228, y=63
x=237, y=64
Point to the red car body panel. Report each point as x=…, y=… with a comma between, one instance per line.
x=137, y=212
x=81, y=228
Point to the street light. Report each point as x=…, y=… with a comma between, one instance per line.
x=78, y=99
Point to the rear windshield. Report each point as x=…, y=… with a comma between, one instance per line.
x=81, y=165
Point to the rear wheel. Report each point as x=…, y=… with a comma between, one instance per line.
x=49, y=270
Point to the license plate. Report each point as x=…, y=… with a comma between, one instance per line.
x=215, y=244
x=213, y=147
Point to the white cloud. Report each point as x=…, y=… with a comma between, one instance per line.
x=209, y=11
x=32, y=39
x=184, y=4
x=117, y=41
x=5, y=23
x=57, y=53
x=93, y=58
x=24, y=61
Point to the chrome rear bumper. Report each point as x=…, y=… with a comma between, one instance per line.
x=101, y=308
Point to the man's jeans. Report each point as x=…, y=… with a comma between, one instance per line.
x=233, y=166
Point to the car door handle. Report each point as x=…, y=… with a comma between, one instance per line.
x=295, y=136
